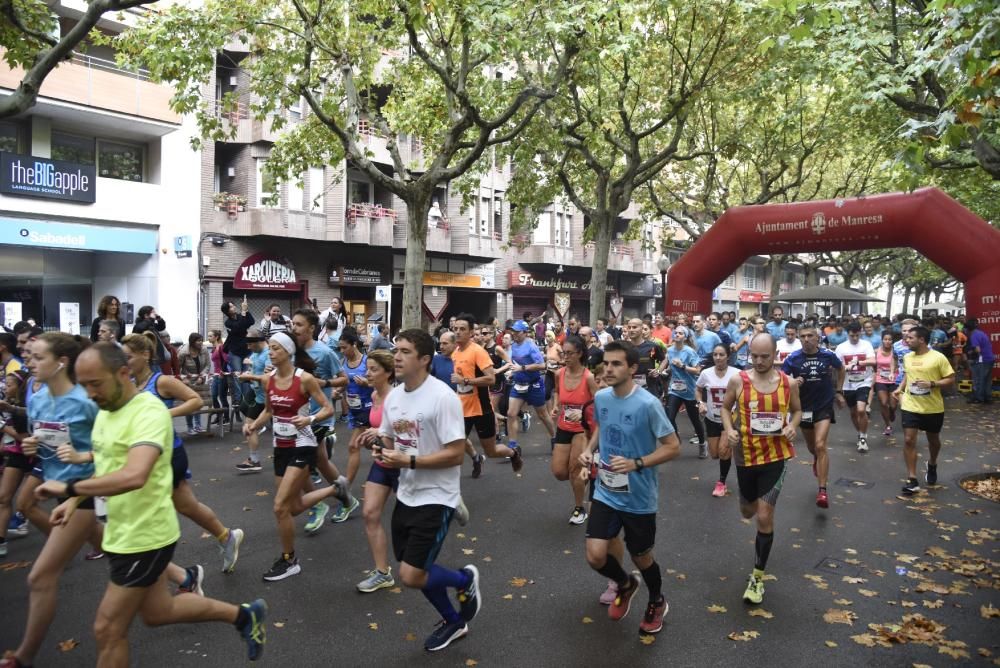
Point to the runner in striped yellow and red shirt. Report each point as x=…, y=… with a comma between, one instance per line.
x=768, y=410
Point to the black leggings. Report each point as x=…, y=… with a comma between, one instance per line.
x=674, y=405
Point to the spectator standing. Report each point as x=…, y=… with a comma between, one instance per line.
x=109, y=308
x=981, y=359
x=236, y=348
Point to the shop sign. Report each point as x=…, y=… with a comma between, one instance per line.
x=354, y=276
x=749, y=296
x=445, y=280
x=525, y=279
x=73, y=236
x=266, y=272
x=51, y=179
x=643, y=287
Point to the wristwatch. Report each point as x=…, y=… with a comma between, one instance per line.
x=413, y=461
x=71, y=488
x=639, y=465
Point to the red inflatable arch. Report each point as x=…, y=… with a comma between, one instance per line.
x=927, y=220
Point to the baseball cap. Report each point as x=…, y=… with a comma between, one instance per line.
x=520, y=326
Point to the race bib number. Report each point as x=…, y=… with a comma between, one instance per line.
x=884, y=376
x=283, y=428
x=406, y=445
x=461, y=389
x=616, y=483
x=353, y=400
x=766, y=423
x=573, y=413
x=807, y=416
x=918, y=391
x=715, y=397
x=51, y=434
x=855, y=375
x=522, y=387
x=678, y=385
x=639, y=379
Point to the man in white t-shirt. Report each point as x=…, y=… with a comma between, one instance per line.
x=789, y=344
x=858, y=357
x=423, y=435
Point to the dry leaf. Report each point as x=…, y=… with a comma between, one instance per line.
x=399, y=612
x=908, y=604
x=854, y=581
x=933, y=604
x=279, y=625
x=467, y=552
x=953, y=652
x=69, y=645
x=867, y=592
x=410, y=636
x=761, y=612
x=487, y=559
x=647, y=638
x=205, y=534
x=830, y=643
x=835, y=616
x=247, y=509
x=983, y=652
x=508, y=597
x=588, y=620
x=716, y=608
x=471, y=662
x=263, y=492
x=745, y=636
x=518, y=582
x=866, y=639
x=373, y=626
x=989, y=611
x=396, y=590
x=842, y=601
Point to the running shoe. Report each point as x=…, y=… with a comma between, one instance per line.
x=610, y=594
x=652, y=621
x=703, y=451
x=887, y=431
x=911, y=487
x=477, y=466
x=720, y=489
x=822, y=498
x=316, y=517
x=342, y=491
x=525, y=422
x=444, y=634
x=317, y=479
x=931, y=475
x=623, y=601
x=249, y=466
x=255, y=631
x=470, y=600
x=755, y=590
x=693, y=440
x=461, y=514
x=579, y=516
x=345, y=510
x=231, y=550
x=283, y=568
x=376, y=580
x=194, y=581
x=17, y=527
x=862, y=444
x=516, y=460
x=190, y=432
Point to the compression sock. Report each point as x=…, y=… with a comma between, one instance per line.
x=613, y=570
x=724, y=465
x=654, y=582
x=762, y=547
x=439, y=577
x=242, y=618
x=439, y=599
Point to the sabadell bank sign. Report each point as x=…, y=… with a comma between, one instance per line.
x=50, y=179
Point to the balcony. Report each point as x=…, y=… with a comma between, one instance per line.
x=486, y=246
x=542, y=253
x=101, y=84
x=622, y=257
x=374, y=142
x=369, y=225
x=268, y=222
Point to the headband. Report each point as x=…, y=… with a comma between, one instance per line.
x=284, y=341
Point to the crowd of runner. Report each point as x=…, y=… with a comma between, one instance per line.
x=91, y=424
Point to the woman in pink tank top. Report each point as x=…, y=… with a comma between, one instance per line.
x=381, y=480
x=885, y=381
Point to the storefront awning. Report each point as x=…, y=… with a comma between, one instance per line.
x=76, y=236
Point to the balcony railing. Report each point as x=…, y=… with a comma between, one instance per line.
x=617, y=248
x=368, y=211
x=103, y=65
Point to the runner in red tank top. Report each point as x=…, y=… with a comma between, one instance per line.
x=287, y=402
x=575, y=387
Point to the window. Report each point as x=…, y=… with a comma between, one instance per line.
x=267, y=185
x=730, y=281
x=497, y=216
x=295, y=195
x=752, y=277
x=317, y=188
x=359, y=192
x=8, y=137
x=543, y=231
x=484, y=216
x=119, y=161
x=72, y=148
x=471, y=212
x=562, y=228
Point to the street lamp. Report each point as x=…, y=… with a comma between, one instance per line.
x=663, y=264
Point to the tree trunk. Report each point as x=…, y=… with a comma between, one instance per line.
x=603, y=224
x=812, y=279
x=774, y=264
x=890, y=287
x=906, y=300
x=416, y=255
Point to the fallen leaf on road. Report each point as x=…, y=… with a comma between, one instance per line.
x=205, y=534
x=487, y=559
x=988, y=612
x=983, y=652
x=279, y=625
x=467, y=552
x=953, y=652
x=399, y=612
x=933, y=604
x=396, y=590
x=867, y=592
x=854, y=581
x=471, y=662
x=716, y=608
x=932, y=586
x=830, y=643
x=835, y=616
x=263, y=492
x=69, y=645
x=842, y=601
x=508, y=597
x=373, y=626
x=745, y=636
x=410, y=636
x=587, y=620
x=867, y=639
x=518, y=582
x=647, y=639
x=761, y=612
x=908, y=604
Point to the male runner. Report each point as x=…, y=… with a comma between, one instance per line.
x=423, y=435
x=926, y=372
x=704, y=340
x=651, y=356
x=812, y=368
x=776, y=326
x=767, y=403
x=788, y=344
x=260, y=360
x=527, y=386
x=858, y=358
x=634, y=436
x=133, y=443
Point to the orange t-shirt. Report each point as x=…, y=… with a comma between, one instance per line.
x=663, y=334
x=470, y=363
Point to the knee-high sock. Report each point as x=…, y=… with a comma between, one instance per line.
x=439, y=577
x=724, y=465
x=613, y=570
x=654, y=582
x=439, y=599
x=763, y=549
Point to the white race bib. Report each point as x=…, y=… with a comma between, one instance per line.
x=573, y=413
x=884, y=376
x=856, y=376
x=807, y=416
x=51, y=434
x=283, y=428
x=616, y=483
x=678, y=385
x=918, y=391
x=353, y=400
x=640, y=379
x=522, y=387
x=406, y=446
x=461, y=389
x=766, y=423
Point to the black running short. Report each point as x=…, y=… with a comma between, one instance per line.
x=564, y=437
x=929, y=422
x=179, y=464
x=713, y=429
x=141, y=569
x=299, y=458
x=86, y=504
x=19, y=461
x=606, y=522
x=858, y=396
x=761, y=482
x=825, y=413
x=418, y=532
x=485, y=425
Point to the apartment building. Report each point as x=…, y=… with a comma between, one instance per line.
x=99, y=193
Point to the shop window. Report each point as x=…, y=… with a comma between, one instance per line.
x=317, y=188
x=73, y=148
x=295, y=195
x=267, y=185
x=8, y=137
x=119, y=161
x=497, y=217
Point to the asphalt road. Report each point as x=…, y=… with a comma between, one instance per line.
x=519, y=531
